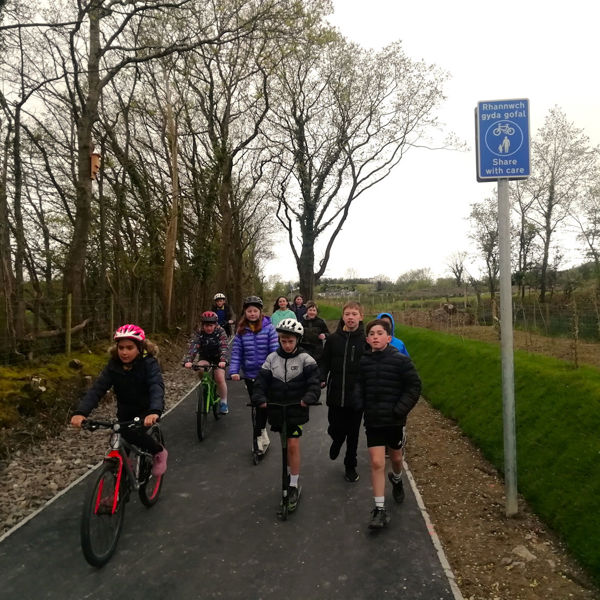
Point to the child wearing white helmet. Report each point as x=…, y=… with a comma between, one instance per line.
x=224, y=312
x=289, y=375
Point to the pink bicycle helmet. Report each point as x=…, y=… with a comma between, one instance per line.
x=130, y=332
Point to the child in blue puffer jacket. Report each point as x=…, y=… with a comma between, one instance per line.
x=254, y=340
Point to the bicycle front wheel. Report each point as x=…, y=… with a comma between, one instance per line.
x=201, y=412
x=102, y=517
x=150, y=486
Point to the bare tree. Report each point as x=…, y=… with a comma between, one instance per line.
x=343, y=119
x=586, y=215
x=561, y=162
x=484, y=232
x=456, y=264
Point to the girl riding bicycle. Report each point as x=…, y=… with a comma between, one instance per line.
x=209, y=346
x=134, y=374
x=254, y=340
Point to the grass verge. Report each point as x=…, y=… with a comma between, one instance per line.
x=557, y=426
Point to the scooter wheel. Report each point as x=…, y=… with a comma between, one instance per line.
x=255, y=458
x=283, y=512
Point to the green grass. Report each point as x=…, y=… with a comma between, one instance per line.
x=329, y=312
x=18, y=399
x=557, y=424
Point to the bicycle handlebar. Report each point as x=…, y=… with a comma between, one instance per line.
x=197, y=367
x=93, y=425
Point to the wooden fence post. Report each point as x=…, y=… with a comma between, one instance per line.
x=68, y=325
x=112, y=316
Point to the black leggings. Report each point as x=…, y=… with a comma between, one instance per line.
x=141, y=439
x=344, y=424
x=259, y=419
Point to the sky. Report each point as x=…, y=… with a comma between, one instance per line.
x=542, y=50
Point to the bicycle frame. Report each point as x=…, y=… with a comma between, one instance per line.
x=208, y=398
x=121, y=450
x=209, y=384
x=104, y=509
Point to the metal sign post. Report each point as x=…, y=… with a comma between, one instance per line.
x=506, y=349
x=503, y=154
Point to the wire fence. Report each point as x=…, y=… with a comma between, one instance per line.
x=568, y=327
x=53, y=329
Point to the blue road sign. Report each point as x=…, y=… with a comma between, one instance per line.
x=502, y=139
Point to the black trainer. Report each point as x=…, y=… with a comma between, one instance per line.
x=351, y=475
x=397, y=488
x=334, y=449
x=379, y=518
x=293, y=497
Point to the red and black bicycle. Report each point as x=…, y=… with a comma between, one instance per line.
x=125, y=468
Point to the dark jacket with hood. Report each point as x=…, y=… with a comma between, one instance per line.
x=396, y=342
x=340, y=364
x=224, y=315
x=310, y=340
x=388, y=387
x=287, y=378
x=140, y=391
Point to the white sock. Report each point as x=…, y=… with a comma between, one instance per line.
x=379, y=501
x=396, y=476
x=294, y=480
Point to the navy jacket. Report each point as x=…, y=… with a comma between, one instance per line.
x=388, y=387
x=140, y=391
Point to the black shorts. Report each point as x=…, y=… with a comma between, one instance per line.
x=393, y=436
x=293, y=431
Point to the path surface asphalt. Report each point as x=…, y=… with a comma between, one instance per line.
x=214, y=532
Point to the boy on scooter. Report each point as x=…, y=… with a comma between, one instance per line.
x=289, y=376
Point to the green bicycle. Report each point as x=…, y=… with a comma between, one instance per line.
x=208, y=399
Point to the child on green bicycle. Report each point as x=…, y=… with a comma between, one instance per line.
x=134, y=374
x=290, y=376
x=209, y=346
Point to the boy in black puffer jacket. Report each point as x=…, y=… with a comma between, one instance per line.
x=388, y=388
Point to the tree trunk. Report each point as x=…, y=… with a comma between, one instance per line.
x=170, y=247
x=225, y=192
x=306, y=267
x=75, y=262
x=8, y=278
x=548, y=232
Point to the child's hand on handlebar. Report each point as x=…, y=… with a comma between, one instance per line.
x=188, y=365
x=77, y=420
x=149, y=420
x=222, y=364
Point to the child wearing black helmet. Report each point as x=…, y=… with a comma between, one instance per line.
x=290, y=376
x=209, y=346
x=254, y=340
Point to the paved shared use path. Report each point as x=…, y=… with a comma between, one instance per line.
x=214, y=532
